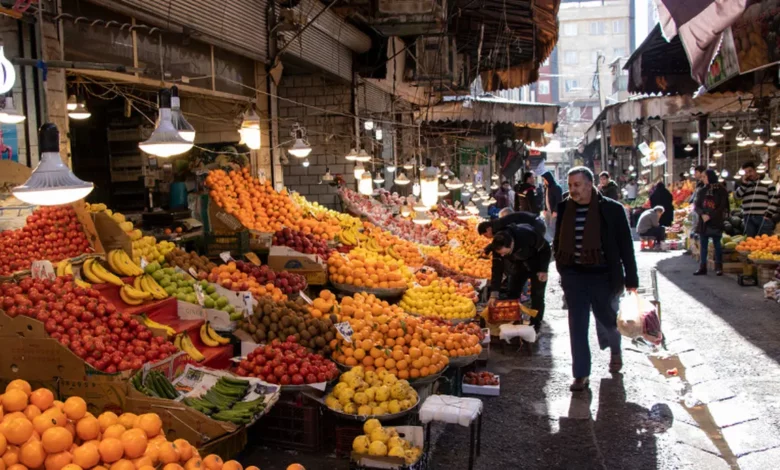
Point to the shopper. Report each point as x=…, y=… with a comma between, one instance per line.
x=662, y=197
x=649, y=225
x=522, y=253
x=504, y=196
x=594, y=253
x=759, y=203
x=631, y=190
x=700, y=178
x=712, y=206
x=608, y=187
x=525, y=194
x=552, y=197
x=491, y=227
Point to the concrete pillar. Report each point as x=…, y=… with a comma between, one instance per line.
x=262, y=161
x=56, y=95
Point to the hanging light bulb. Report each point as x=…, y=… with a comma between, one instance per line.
x=249, y=130
x=429, y=187
x=494, y=177
x=717, y=154
x=352, y=155
x=327, y=177
x=465, y=193
x=758, y=129
x=416, y=189
x=767, y=179
x=300, y=148
x=408, y=165
x=420, y=207
x=305, y=163
x=8, y=72
x=771, y=142
x=390, y=168
x=9, y=114
x=359, y=170
x=405, y=211
x=744, y=143
x=688, y=148
x=378, y=134
x=728, y=126
x=776, y=130
x=365, y=185
x=368, y=125
x=717, y=135
x=709, y=140
x=165, y=141
x=758, y=141
x=494, y=186
x=630, y=167
x=52, y=182
x=80, y=112
x=363, y=156
x=379, y=179
x=761, y=167
x=740, y=136
x=71, y=104
x=724, y=173
x=472, y=208
x=712, y=164
x=443, y=191
x=401, y=179
x=741, y=172
x=454, y=183
x=186, y=131
x=421, y=218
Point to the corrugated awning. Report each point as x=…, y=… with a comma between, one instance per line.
x=660, y=66
x=488, y=108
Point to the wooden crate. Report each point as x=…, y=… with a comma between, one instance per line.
x=765, y=274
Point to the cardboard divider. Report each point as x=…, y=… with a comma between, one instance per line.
x=312, y=267
x=110, y=234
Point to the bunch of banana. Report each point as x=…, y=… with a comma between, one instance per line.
x=121, y=264
x=372, y=245
x=184, y=343
x=97, y=274
x=349, y=237
x=210, y=337
x=81, y=283
x=146, y=283
x=391, y=251
x=64, y=268
x=157, y=326
x=132, y=296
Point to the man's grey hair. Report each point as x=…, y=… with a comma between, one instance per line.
x=659, y=209
x=581, y=170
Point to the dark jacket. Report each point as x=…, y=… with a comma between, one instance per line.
x=553, y=193
x=611, y=190
x=616, y=241
x=662, y=197
x=514, y=218
x=712, y=200
x=531, y=251
x=525, y=198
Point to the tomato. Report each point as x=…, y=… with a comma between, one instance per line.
x=297, y=379
x=279, y=371
x=311, y=379
x=322, y=377
x=285, y=380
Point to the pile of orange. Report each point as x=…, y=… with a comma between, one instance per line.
x=460, y=261
x=768, y=243
x=363, y=269
x=39, y=432
x=425, y=276
x=324, y=304
x=229, y=277
x=469, y=239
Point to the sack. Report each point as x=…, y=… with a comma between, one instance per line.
x=637, y=317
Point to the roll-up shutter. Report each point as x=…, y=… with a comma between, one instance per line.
x=372, y=99
x=239, y=26
x=318, y=49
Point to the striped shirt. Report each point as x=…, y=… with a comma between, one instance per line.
x=579, y=230
x=757, y=198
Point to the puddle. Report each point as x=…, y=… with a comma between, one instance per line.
x=699, y=412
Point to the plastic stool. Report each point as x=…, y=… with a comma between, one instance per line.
x=647, y=243
x=455, y=410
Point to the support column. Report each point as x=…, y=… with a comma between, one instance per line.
x=56, y=95
x=262, y=161
x=669, y=137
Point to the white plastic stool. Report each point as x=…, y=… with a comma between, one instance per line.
x=455, y=410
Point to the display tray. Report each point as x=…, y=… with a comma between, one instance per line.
x=387, y=417
x=462, y=361
x=454, y=321
x=764, y=261
x=381, y=293
x=305, y=387
x=413, y=382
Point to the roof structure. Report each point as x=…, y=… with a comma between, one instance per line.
x=492, y=109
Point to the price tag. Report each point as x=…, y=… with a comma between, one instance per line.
x=193, y=272
x=305, y=298
x=248, y=302
x=42, y=269
x=226, y=258
x=199, y=293
x=144, y=263
x=345, y=330
x=252, y=258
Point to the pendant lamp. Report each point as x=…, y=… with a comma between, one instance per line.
x=186, y=131
x=401, y=179
x=250, y=130
x=9, y=114
x=165, y=141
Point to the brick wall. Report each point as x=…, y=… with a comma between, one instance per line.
x=330, y=135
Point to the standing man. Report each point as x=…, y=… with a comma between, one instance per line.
x=594, y=253
x=526, y=194
x=631, y=190
x=759, y=202
x=608, y=187
x=504, y=196
x=553, y=194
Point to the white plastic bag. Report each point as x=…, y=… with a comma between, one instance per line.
x=637, y=317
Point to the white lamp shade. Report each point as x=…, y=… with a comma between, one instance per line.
x=363, y=156
x=186, y=131
x=494, y=177
x=390, y=168
x=368, y=125
x=52, y=182
x=401, y=179
x=421, y=218
x=379, y=179
x=299, y=149
x=359, y=170
x=454, y=183
x=250, y=130
x=305, y=163
x=165, y=141
x=408, y=165
x=80, y=112
x=352, y=155
x=9, y=114
x=71, y=104
x=8, y=71
x=472, y=208
x=405, y=211
x=443, y=191
x=379, y=134
x=365, y=185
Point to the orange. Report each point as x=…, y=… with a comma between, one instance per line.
x=152, y=452
x=56, y=439
x=107, y=419
x=251, y=467
x=42, y=423
x=31, y=412
x=86, y=455
x=72, y=466
x=57, y=415
x=115, y=431
x=150, y=423
x=128, y=420
x=168, y=453
x=171, y=466
x=134, y=443
x=14, y=400
x=31, y=454
x=123, y=464
x=43, y=398
x=185, y=449
x=57, y=461
x=99, y=467
x=75, y=408
x=19, y=384
x=143, y=461
x=145, y=467
x=88, y=428
x=17, y=466
x=18, y=430
x=296, y=466
x=3, y=444
x=58, y=404
x=195, y=463
x=213, y=462
x=232, y=465
x=111, y=450
x=11, y=456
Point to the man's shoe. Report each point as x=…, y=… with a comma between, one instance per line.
x=702, y=271
x=580, y=384
x=615, y=363
x=718, y=269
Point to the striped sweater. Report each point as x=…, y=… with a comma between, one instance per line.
x=757, y=198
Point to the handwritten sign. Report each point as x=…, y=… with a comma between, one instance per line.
x=193, y=272
x=199, y=293
x=248, y=303
x=42, y=269
x=306, y=298
x=226, y=258
x=345, y=330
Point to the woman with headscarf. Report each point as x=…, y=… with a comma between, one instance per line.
x=712, y=206
x=662, y=197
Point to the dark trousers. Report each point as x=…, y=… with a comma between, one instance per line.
x=584, y=291
x=517, y=278
x=658, y=232
x=704, y=249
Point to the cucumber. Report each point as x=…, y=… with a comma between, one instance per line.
x=234, y=381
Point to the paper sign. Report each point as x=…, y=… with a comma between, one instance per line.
x=199, y=293
x=144, y=263
x=252, y=258
x=226, y=258
x=42, y=269
x=192, y=272
x=345, y=330
x=305, y=298
x=248, y=304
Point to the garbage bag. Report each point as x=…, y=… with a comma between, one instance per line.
x=637, y=317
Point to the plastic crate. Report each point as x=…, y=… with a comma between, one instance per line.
x=293, y=425
x=345, y=435
x=236, y=243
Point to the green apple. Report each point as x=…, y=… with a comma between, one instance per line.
x=208, y=302
x=181, y=296
x=221, y=302
x=158, y=275
x=210, y=289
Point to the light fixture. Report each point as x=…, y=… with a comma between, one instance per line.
x=741, y=172
x=327, y=177
x=712, y=164
x=358, y=171
x=71, y=104
x=463, y=215
x=709, y=140
x=630, y=167
x=453, y=184
x=717, y=154
x=421, y=218
x=740, y=136
x=390, y=168
x=365, y=185
x=776, y=130
x=250, y=130
x=429, y=187
x=717, y=135
x=771, y=142
x=443, y=191
x=728, y=126
x=645, y=171
x=8, y=71
x=9, y=114
x=405, y=211
x=758, y=141
x=165, y=141
x=368, y=125
x=688, y=148
x=352, y=155
x=724, y=173
x=186, y=131
x=420, y=207
x=379, y=179
x=401, y=179
x=494, y=177
x=744, y=143
x=305, y=163
x=416, y=189
x=409, y=165
x=767, y=179
x=363, y=156
x=758, y=129
x=378, y=134
x=761, y=167
x=52, y=182
x=465, y=193
x=472, y=208
x=80, y=112
x=494, y=186
x=300, y=148
x=442, y=164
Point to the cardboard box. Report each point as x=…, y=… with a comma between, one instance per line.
x=728, y=267
x=188, y=311
x=220, y=320
x=414, y=434
x=487, y=390
x=312, y=267
x=111, y=236
x=220, y=221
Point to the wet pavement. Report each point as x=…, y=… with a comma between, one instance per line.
x=720, y=410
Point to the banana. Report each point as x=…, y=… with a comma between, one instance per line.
x=189, y=348
x=113, y=265
x=150, y=285
x=129, y=300
x=216, y=336
x=61, y=267
x=348, y=237
x=134, y=293
x=69, y=269
x=86, y=270
x=137, y=283
x=127, y=264
x=204, y=336
x=103, y=275
x=391, y=251
x=157, y=325
x=176, y=341
x=83, y=284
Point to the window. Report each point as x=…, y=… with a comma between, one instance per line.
x=620, y=52
x=618, y=26
x=571, y=58
x=571, y=84
x=546, y=62
x=596, y=111
x=544, y=87
x=598, y=27
x=570, y=29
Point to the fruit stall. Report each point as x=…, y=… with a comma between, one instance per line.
x=123, y=348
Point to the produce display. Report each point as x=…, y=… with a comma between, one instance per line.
x=190, y=261
x=259, y=280
x=210, y=337
x=379, y=442
x=426, y=275
x=273, y=320
x=183, y=342
x=155, y=384
x=446, y=271
x=369, y=393
x=149, y=249
x=224, y=401
x=363, y=268
x=470, y=328
x=287, y=363
x=481, y=378
x=761, y=243
x=504, y=310
x=50, y=233
x=437, y=300
x=301, y=242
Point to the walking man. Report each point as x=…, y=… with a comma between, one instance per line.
x=758, y=202
x=594, y=254
x=552, y=197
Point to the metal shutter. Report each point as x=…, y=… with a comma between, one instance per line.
x=322, y=51
x=371, y=98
